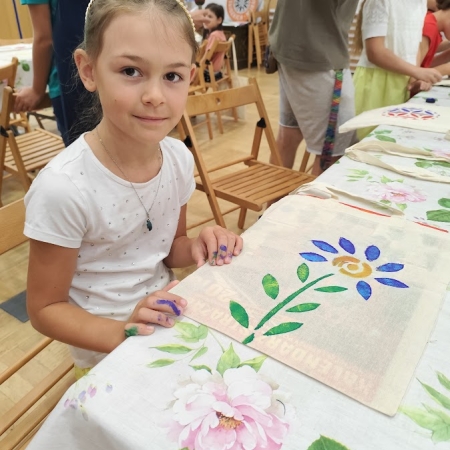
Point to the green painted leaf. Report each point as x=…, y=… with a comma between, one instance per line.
x=239, y=314
x=402, y=206
x=441, y=164
x=271, y=286
x=437, y=396
x=228, y=360
x=324, y=443
x=383, y=131
x=439, y=215
x=303, y=307
x=443, y=380
x=438, y=413
x=382, y=137
x=160, y=363
x=201, y=352
x=423, y=418
x=201, y=367
x=385, y=202
x=337, y=162
x=331, y=289
x=385, y=179
x=286, y=327
x=25, y=67
x=174, y=349
x=190, y=332
x=441, y=432
x=254, y=363
x=359, y=172
x=303, y=272
x=423, y=164
x=445, y=202
x=249, y=339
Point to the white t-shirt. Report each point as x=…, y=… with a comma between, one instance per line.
x=77, y=202
x=400, y=21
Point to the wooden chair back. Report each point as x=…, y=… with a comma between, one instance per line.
x=249, y=183
x=20, y=155
x=19, y=424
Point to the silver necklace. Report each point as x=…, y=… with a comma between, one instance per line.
x=147, y=212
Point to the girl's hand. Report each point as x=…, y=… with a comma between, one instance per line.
x=157, y=308
x=216, y=245
x=429, y=75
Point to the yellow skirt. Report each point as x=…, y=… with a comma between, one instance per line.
x=375, y=88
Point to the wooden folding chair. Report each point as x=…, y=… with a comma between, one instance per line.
x=258, y=33
x=19, y=155
x=227, y=75
x=20, y=423
x=250, y=183
x=8, y=74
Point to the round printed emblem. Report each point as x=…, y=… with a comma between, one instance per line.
x=238, y=9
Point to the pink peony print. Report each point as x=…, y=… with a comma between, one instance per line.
x=235, y=412
x=442, y=153
x=396, y=192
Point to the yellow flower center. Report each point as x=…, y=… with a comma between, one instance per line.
x=352, y=267
x=230, y=423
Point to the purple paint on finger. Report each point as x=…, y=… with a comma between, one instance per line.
x=170, y=303
x=223, y=248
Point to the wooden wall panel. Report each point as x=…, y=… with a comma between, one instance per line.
x=8, y=24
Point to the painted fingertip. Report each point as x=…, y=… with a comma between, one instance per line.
x=212, y=262
x=169, y=321
x=171, y=305
x=223, y=248
x=131, y=331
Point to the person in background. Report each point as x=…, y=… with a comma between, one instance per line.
x=389, y=47
x=309, y=40
x=436, y=23
x=43, y=15
x=212, y=26
x=106, y=218
x=431, y=5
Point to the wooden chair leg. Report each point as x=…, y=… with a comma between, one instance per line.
x=219, y=121
x=21, y=171
x=208, y=124
x=304, y=162
x=241, y=220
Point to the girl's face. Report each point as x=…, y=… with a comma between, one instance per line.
x=211, y=21
x=142, y=76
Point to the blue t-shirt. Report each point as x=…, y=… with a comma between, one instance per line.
x=53, y=81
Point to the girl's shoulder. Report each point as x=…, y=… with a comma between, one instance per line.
x=217, y=34
x=177, y=152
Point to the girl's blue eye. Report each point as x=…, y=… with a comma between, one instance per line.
x=130, y=72
x=173, y=77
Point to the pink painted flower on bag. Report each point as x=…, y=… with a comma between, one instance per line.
x=235, y=412
x=441, y=153
x=396, y=192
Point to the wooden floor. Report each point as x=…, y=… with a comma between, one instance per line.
x=16, y=337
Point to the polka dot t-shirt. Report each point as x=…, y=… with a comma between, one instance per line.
x=76, y=202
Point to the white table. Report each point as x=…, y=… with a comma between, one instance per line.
x=23, y=52
x=123, y=403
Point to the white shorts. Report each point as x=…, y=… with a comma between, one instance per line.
x=305, y=103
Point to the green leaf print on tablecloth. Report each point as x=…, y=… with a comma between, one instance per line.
x=434, y=419
x=440, y=215
x=381, y=135
x=324, y=443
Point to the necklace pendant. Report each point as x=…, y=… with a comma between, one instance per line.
x=149, y=225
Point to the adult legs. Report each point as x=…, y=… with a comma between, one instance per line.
x=288, y=140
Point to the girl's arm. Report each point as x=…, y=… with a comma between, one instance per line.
x=29, y=97
x=382, y=57
x=214, y=244
x=50, y=272
x=441, y=58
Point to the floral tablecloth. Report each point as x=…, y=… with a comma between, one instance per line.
x=191, y=387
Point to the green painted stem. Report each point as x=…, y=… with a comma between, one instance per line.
x=282, y=304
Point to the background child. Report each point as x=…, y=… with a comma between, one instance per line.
x=43, y=16
x=435, y=23
x=107, y=216
x=389, y=32
x=214, y=15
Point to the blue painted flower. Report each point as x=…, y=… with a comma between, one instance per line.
x=354, y=267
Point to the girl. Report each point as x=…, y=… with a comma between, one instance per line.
x=389, y=55
x=435, y=23
x=107, y=217
x=213, y=32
